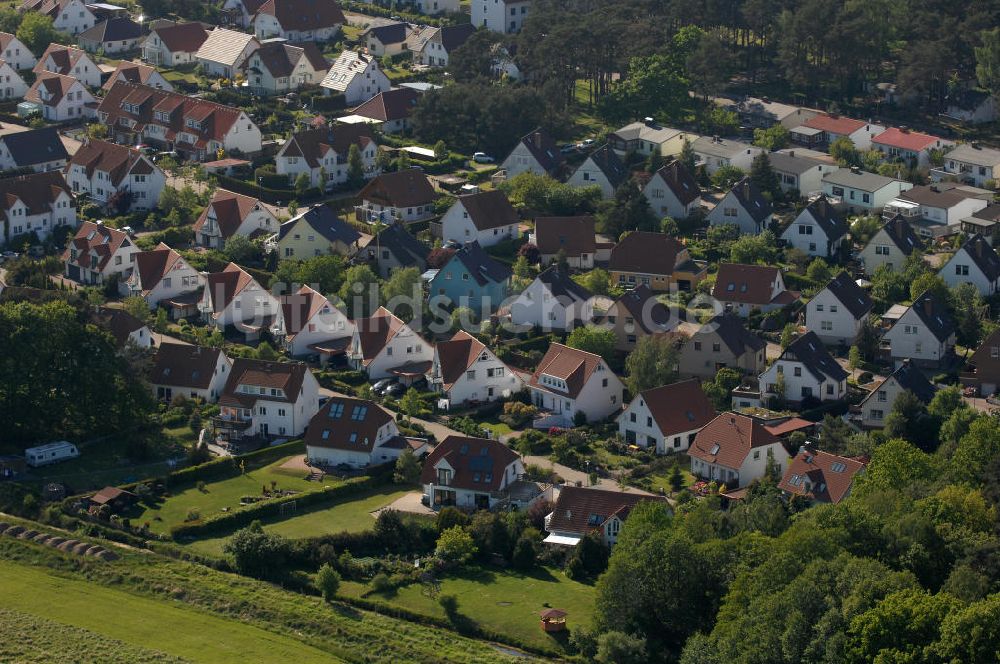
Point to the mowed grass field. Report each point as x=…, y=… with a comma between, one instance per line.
x=125, y=627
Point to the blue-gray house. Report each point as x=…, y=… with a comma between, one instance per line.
x=471, y=278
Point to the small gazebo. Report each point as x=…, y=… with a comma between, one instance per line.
x=553, y=620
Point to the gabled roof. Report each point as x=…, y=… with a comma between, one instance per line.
x=483, y=267
x=151, y=266
x=830, y=220
x=811, y=352
x=231, y=210
x=562, y=287
x=644, y=251
x=606, y=160
x=752, y=199
x=573, y=235
x=829, y=476
x=456, y=355
x=323, y=220
x=224, y=286
x=400, y=189
x=905, y=139
x=118, y=161
x=313, y=144
x=285, y=376
x=901, y=234
x=90, y=237
x=753, y=284
x=347, y=65
x=934, y=315
x=728, y=440
x=648, y=314
x=489, y=209
x=407, y=249
x=733, y=333
x=854, y=298
x=678, y=407
x=680, y=181
x=983, y=255
x=184, y=365
x=343, y=423
x=133, y=72
x=391, y=105
x=583, y=510
x=119, y=28
x=544, y=149
x=303, y=15
x=569, y=364
x=477, y=463
x=835, y=124
x=225, y=46
x=182, y=37
x=35, y=146
x=119, y=323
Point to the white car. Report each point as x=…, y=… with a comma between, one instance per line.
x=482, y=158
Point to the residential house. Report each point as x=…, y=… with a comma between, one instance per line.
x=486, y=217
x=140, y=74
x=357, y=76
x=876, y=406
x=819, y=230
x=820, y=477
x=859, y=132
x=971, y=106
x=745, y=207
x=355, y=433
x=976, y=263
x=434, y=46
x=384, y=346
x=37, y=149
x=552, y=301
x=225, y=52
x=322, y=154
x=861, y=192
x=310, y=324
x=924, y=334
x=394, y=248
x=667, y=418
x=266, y=400
x=804, y=371
x=638, y=314
x=115, y=35
x=734, y=450
x=938, y=209
x=647, y=137
x=535, y=153
x=465, y=370
x=12, y=86
x=386, y=39
x=838, y=312
x=745, y=288
x=194, y=372
x=316, y=232
x=471, y=278
x=799, y=173
x=69, y=61
x=118, y=176
x=721, y=343
x=911, y=147
x=970, y=163
x=891, y=246
x=673, y=191
x=982, y=368
x=763, y=113
x=172, y=45
x=36, y=203
x=278, y=67
x=229, y=214
x=195, y=128
x=580, y=511
x=573, y=236
x=124, y=327
x=69, y=16
x=15, y=53
x=603, y=169
x=97, y=253
x=469, y=473
x=391, y=109
x=298, y=20
x=401, y=196
x=656, y=260
x=233, y=297
x=714, y=153
x=503, y=16
x=570, y=385
x=61, y=98
x=161, y=274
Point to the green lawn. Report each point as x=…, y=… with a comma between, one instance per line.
x=141, y=623
x=504, y=601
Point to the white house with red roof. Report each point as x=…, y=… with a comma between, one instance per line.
x=161, y=274
x=734, y=450
x=384, y=346
x=310, y=324
x=464, y=369
x=106, y=171
x=266, y=400
x=820, y=477
x=900, y=143
x=35, y=203
x=833, y=127
x=229, y=214
x=61, y=98
x=233, y=297
x=97, y=253
x=570, y=381
x=666, y=418
x=469, y=473
x=356, y=433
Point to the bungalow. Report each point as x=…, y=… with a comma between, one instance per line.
x=469, y=473
x=762, y=112
x=225, y=52
x=384, y=346
x=15, y=53
x=310, y=324
x=266, y=400
x=161, y=274
x=465, y=370
x=714, y=153
x=804, y=371
x=744, y=288
x=69, y=61
x=666, y=419
x=124, y=327
x=322, y=153
x=838, y=312
x=356, y=76
x=925, y=333
x=486, y=217
x=229, y=214
x=859, y=132
x=656, y=260
x=721, y=343
x=61, y=98
x=820, y=477
x=553, y=301
x=471, y=278
x=298, y=20
x=982, y=369
x=890, y=246
x=355, y=433
x=819, y=230
x=395, y=248
x=875, y=408
x=386, y=39
x=863, y=193
x=912, y=147
x=673, y=191
x=277, y=67
x=97, y=253
x=140, y=74
x=745, y=207
x=233, y=297
x=36, y=149
x=976, y=263
x=114, y=35
x=195, y=372
x=647, y=137
x=970, y=163
x=573, y=238
x=400, y=196
x=580, y=511
x=572, y=385
x=173, y=45
x=434, y=46
x=318, y=231
x=638, y=314
x=120, y=177
x=392, y=109
x=800, y=173
x=535, y=153
x=12, y=86
x=734, y=450
x=603, y=169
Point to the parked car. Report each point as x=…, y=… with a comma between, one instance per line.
x=482, y=158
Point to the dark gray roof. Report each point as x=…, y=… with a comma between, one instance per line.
x=324, y=221
x=934, y=315
x=752, y=200
x=811, y=352
x=608, y=162
x=35, y=147
x=902, y=235
x=830, y=220
x=984, y=256
x=407, y=249
x=483, y=267
x=561, y=285
x=854, y=298
x=681, y=182
x=730, y=329
x=911, y=378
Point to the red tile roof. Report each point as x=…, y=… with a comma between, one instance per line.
x=906, y=140
x=478, y=464
x=728, y=439
x=829, y=477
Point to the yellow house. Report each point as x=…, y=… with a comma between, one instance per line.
x=316, y=232
x=656, y=260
